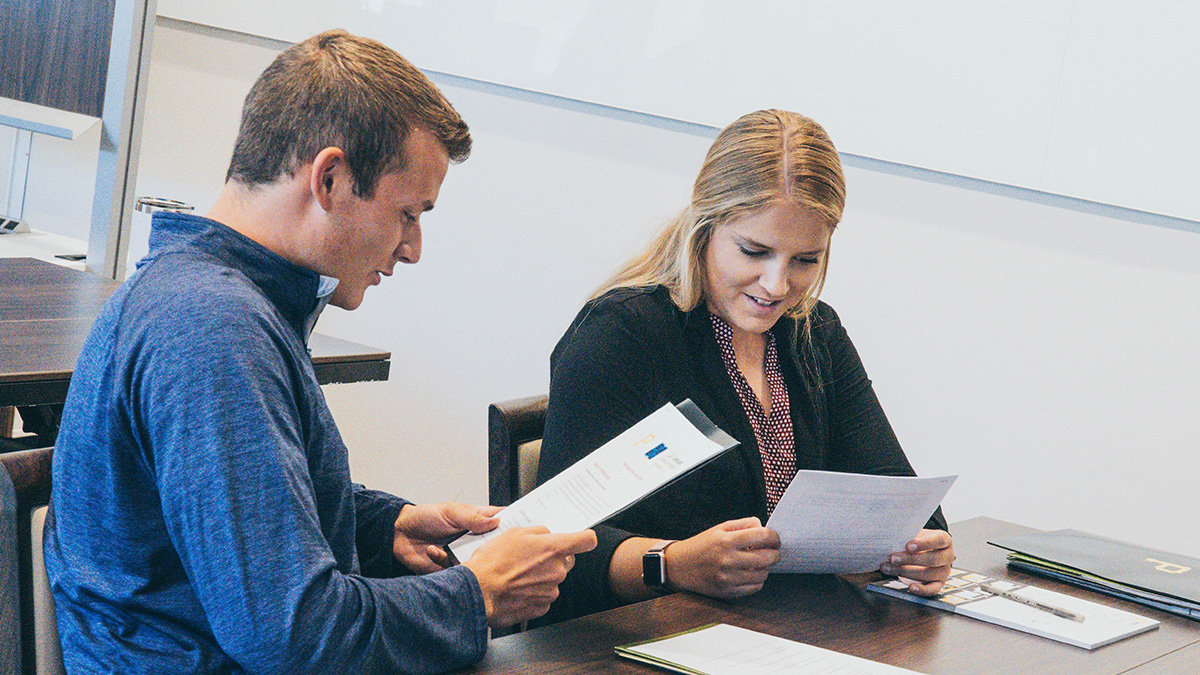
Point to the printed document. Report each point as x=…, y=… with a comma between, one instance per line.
x=842, y=523
x=721, y=649
x=662, y=447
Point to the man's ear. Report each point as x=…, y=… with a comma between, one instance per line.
x=327, y=174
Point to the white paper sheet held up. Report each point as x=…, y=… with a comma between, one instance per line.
x=842, y=523
x=648, y=455
x=722, y=649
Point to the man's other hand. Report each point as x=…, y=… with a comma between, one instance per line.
x=421, y=528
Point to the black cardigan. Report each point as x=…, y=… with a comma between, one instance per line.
x=632, y=350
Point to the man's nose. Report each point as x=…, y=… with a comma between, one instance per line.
x=409, y=250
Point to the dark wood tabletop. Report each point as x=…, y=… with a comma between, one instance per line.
x=835, y=613
x=46, y=311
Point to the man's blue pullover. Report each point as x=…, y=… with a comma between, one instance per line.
x=203, y=519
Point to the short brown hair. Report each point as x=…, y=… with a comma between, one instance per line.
x=340, y=90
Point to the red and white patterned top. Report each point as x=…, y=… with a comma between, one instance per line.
x=776, y=443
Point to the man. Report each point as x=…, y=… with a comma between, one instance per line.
x=203, y=516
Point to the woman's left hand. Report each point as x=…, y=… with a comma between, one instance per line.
x=924, y=563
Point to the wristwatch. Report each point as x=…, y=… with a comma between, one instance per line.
x=654, y=567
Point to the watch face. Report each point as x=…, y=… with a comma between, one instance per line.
x=654, y=569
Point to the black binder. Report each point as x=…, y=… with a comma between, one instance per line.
x=1165, y=581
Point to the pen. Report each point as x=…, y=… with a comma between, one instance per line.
x=1009, y=595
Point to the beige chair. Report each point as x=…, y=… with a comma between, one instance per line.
x=514, y=446
x=28, y=634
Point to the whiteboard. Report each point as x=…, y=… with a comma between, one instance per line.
x=1094, y=100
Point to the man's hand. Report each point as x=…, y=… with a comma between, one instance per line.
x=520, y=570
x=421, y=527
x=924, y=563
x=729, y=560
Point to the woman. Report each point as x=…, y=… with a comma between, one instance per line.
x=722, y=308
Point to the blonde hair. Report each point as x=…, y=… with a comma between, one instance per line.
x=763, y=158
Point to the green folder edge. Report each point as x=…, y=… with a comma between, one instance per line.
x=625, y=651
x=1094, y=582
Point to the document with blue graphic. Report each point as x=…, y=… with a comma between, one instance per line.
x=665, y=445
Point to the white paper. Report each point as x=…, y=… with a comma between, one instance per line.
x=643, y=458
x=841, y=523
x=729, y=650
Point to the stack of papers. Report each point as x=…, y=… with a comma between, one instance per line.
x=720, y=649
x=1166, y=581
x=968, y=593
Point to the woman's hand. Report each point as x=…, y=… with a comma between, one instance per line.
x=924, y=563
x=729, y=560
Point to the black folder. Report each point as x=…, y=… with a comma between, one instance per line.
x=1165, y=581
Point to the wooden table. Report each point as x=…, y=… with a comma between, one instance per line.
x=830, y=612
x=46, y=311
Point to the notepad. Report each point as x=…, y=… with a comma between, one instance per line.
x=721, y=649
x=963, y=594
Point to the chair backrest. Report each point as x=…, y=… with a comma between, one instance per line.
x=10, y=594
x=28, y=613
x=514, y=446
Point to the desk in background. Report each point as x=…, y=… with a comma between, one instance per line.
x=829, y=612
x=47, y=310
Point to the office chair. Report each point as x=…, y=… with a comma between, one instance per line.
x=39, y=422
x=27, y=622
x=514, y=446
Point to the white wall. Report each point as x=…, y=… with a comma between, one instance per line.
x=60, y=183
x=1045, y=354
x=1034, y=88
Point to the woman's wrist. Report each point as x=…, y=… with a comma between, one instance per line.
x=625, y=569
x=655, y=575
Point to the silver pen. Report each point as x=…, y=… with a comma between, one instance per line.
x=1009, y=595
